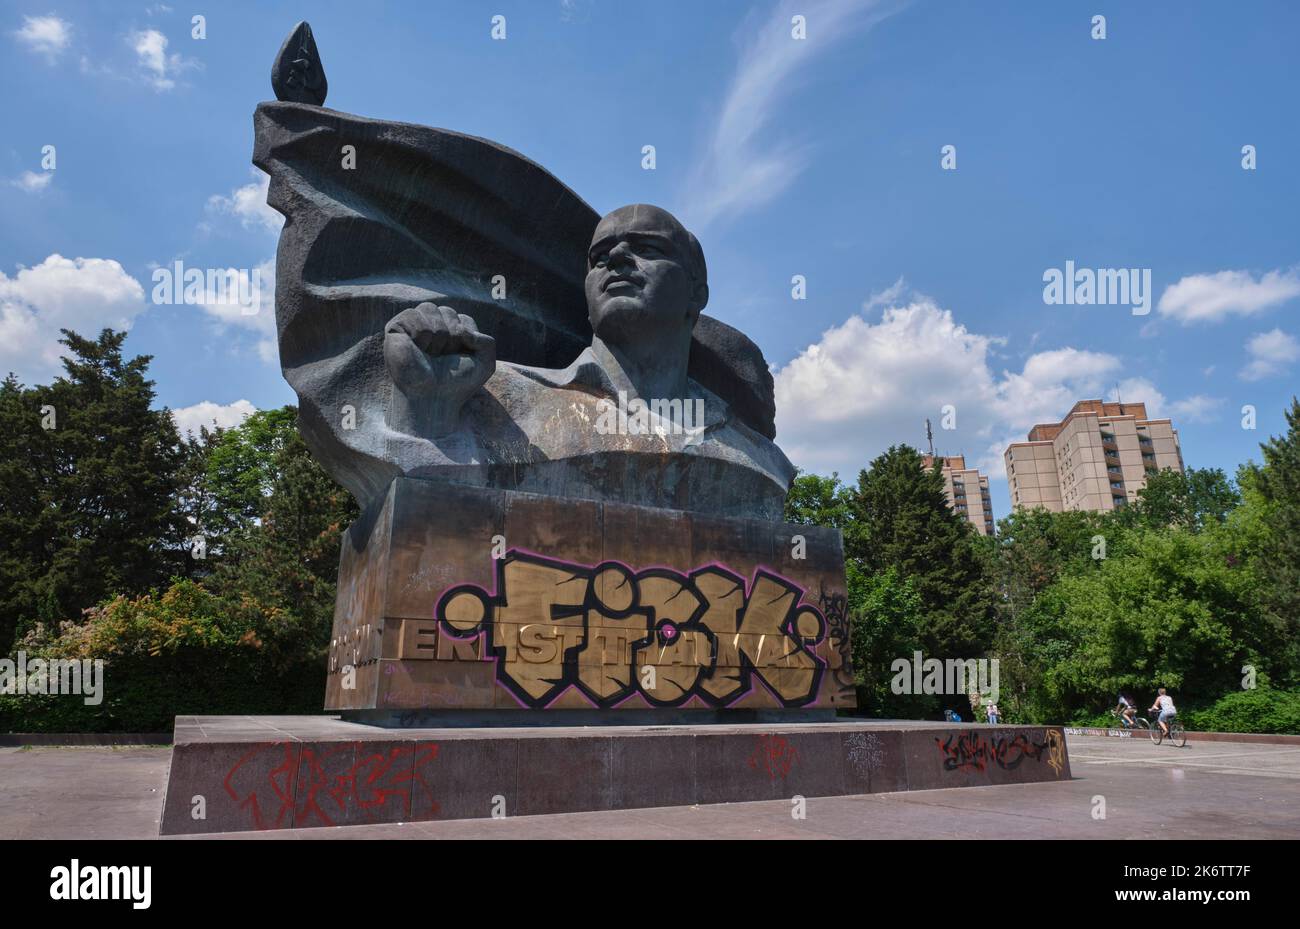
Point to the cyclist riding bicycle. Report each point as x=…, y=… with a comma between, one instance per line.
x=1126, y=711
x=1165, y=706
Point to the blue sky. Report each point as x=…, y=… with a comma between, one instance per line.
x=818, y=157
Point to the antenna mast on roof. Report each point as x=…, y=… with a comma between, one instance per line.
x=929, y=437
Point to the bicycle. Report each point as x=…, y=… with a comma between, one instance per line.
x=1177, y=734
x=1139, y=722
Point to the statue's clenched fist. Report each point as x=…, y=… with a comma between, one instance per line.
x=434, y=348
x=437, y=358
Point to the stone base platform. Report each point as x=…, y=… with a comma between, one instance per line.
x=244, y=773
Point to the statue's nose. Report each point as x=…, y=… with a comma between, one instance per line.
x=620, y=253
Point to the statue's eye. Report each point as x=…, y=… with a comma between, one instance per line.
x=649, y=248
x=600, y=260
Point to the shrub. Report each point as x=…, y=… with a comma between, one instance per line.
x=183, y=652
x=1262, y=710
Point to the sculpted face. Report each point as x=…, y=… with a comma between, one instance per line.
x=645, y=273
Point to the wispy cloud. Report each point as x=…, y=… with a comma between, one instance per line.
x=159, y=68
x=33, y=181
x=1213, y=297
x=225, y=311
x=249, y=204
x=1271, y=353
x=575, y=11
x=1198, y=408
x=45, y=35
x=741, y=170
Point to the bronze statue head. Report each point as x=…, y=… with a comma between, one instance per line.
x=645, y=271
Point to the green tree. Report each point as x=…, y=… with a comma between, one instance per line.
x=249, y=636
x=89, y=479
x=1176, y=611
x=287, y=560
x=241, y=464
x=1034, y=547
x=1277, y=557
x=1032, y=550
x=1192, y=500
x=198, y=506
x=818, y=501
x=885, y=627
x=901, y=519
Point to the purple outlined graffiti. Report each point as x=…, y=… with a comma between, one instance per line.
x=612, y=632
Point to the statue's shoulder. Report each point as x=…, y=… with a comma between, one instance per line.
x=583, y=372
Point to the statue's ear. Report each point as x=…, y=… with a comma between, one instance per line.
x=700, y=298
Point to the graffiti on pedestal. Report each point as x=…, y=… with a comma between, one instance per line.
x=1056, y=751
x=612, y=632
x=282, y=785
x=973, y=751
x=773, y=754
x=866, y=753
x=835, y=607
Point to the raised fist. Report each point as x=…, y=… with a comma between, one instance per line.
x=437, y=358
x=433, y=348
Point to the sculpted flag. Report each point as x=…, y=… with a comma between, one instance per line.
x=382, y=216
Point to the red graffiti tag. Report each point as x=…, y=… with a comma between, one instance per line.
x=345, y=783
x=774, y=754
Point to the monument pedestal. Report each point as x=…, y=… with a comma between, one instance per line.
x=283, y=772
x=493, y=603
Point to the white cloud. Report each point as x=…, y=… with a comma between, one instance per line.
x=1213, y=297
x=739, y=170
x=45, y=35
x=249, y=204
x=1140, y=390
x=864, y=386
x=1051, y=382
x=1271, y=353
x=33, y=181
x=207, y=413
x=84, y=294
x=1198, y=408
x=159, y=68
x=257, y=317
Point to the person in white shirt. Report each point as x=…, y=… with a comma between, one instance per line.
x=1126, y=711
x=1165, y=705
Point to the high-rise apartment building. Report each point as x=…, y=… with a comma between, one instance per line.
x=967, y=490
x=1097, y=458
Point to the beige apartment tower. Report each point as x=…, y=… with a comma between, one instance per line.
x=967, y=490
x=1097, y=458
